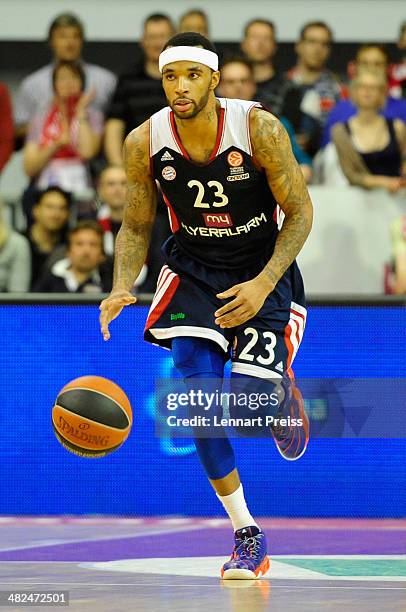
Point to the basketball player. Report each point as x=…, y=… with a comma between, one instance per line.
x=231, y=286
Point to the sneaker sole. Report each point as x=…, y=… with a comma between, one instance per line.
x=244, y=574
x=302, y=452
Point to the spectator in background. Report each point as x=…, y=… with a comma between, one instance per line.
x=64, y=137
x=15, y=263
x=6, y=127
x=259, y=46
x=319, y=87
x=237, y=81
x=65, y=37
x=51, y=214
x=369, y=146
x=112, y=193
x=374, y=57
x=195, y=20
x=83, y=270
x=139, y=93
x=397, y=72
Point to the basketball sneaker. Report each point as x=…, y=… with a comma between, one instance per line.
x=248, y=559
x=291, y=440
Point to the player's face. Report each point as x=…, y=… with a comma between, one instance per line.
x=113, y=187
x=52, y=212
x=369, y=92
x=372, y=58
x=313, y=50
x=85, y=250
x=259, y=44
x=194, y=23
x=66, y=43
x=187, y=87
x=67, y=83
x=237, y=82
x=156, y=35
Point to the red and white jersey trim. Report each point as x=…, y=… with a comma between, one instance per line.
x=294, y=330
x=235, y=131
x=167, y=284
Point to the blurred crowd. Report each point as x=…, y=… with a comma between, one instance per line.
x=71, y=118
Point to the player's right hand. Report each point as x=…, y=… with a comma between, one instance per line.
x=111, y=307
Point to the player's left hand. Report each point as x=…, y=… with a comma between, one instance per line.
x=249, y=298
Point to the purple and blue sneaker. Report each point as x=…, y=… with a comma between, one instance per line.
x=291, y=440
x=249, y=558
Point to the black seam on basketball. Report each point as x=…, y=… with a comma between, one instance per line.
x=100, y=393
x=84, y=452
x=90, y=404
x=67, y=411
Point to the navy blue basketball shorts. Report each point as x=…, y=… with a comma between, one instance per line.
x=264, y=346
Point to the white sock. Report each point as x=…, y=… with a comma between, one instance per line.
x=236, y=508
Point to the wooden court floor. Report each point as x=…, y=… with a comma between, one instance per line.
x=172, y=564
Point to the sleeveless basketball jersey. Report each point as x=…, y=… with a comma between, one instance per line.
x=222, y=213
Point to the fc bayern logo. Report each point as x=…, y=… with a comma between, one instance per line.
x=235, y=159
x=169, y=173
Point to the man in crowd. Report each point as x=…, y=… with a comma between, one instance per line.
x=320, y=89
x=139, y=92
x=84, y=270
x=51, y=214
x=65, y=38
x=195, y=21
x=259, y=47
x=237, y=81
x=373, y=57
x=112, y=191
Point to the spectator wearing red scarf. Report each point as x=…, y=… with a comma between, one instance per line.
x=66, y=136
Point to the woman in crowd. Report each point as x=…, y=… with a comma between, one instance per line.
x=15, y=259
x=370, y=147
x=63, y=139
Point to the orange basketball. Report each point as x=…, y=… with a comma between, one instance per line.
x=92, y=416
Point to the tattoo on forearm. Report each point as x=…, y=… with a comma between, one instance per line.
x=130, y=253
x=273, y=151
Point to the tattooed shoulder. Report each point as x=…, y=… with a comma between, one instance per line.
x=272, y=148
x=269, y=138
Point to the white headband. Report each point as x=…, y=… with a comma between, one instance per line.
x=188, y=54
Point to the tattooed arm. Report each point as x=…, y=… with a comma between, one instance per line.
x=135, y=233
x=139, y=214
x=271, y=148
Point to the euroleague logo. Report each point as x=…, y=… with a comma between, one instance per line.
x=169, y=173
x=235, y=159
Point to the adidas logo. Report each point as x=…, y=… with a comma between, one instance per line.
x=279, y=367
x=166, y=156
